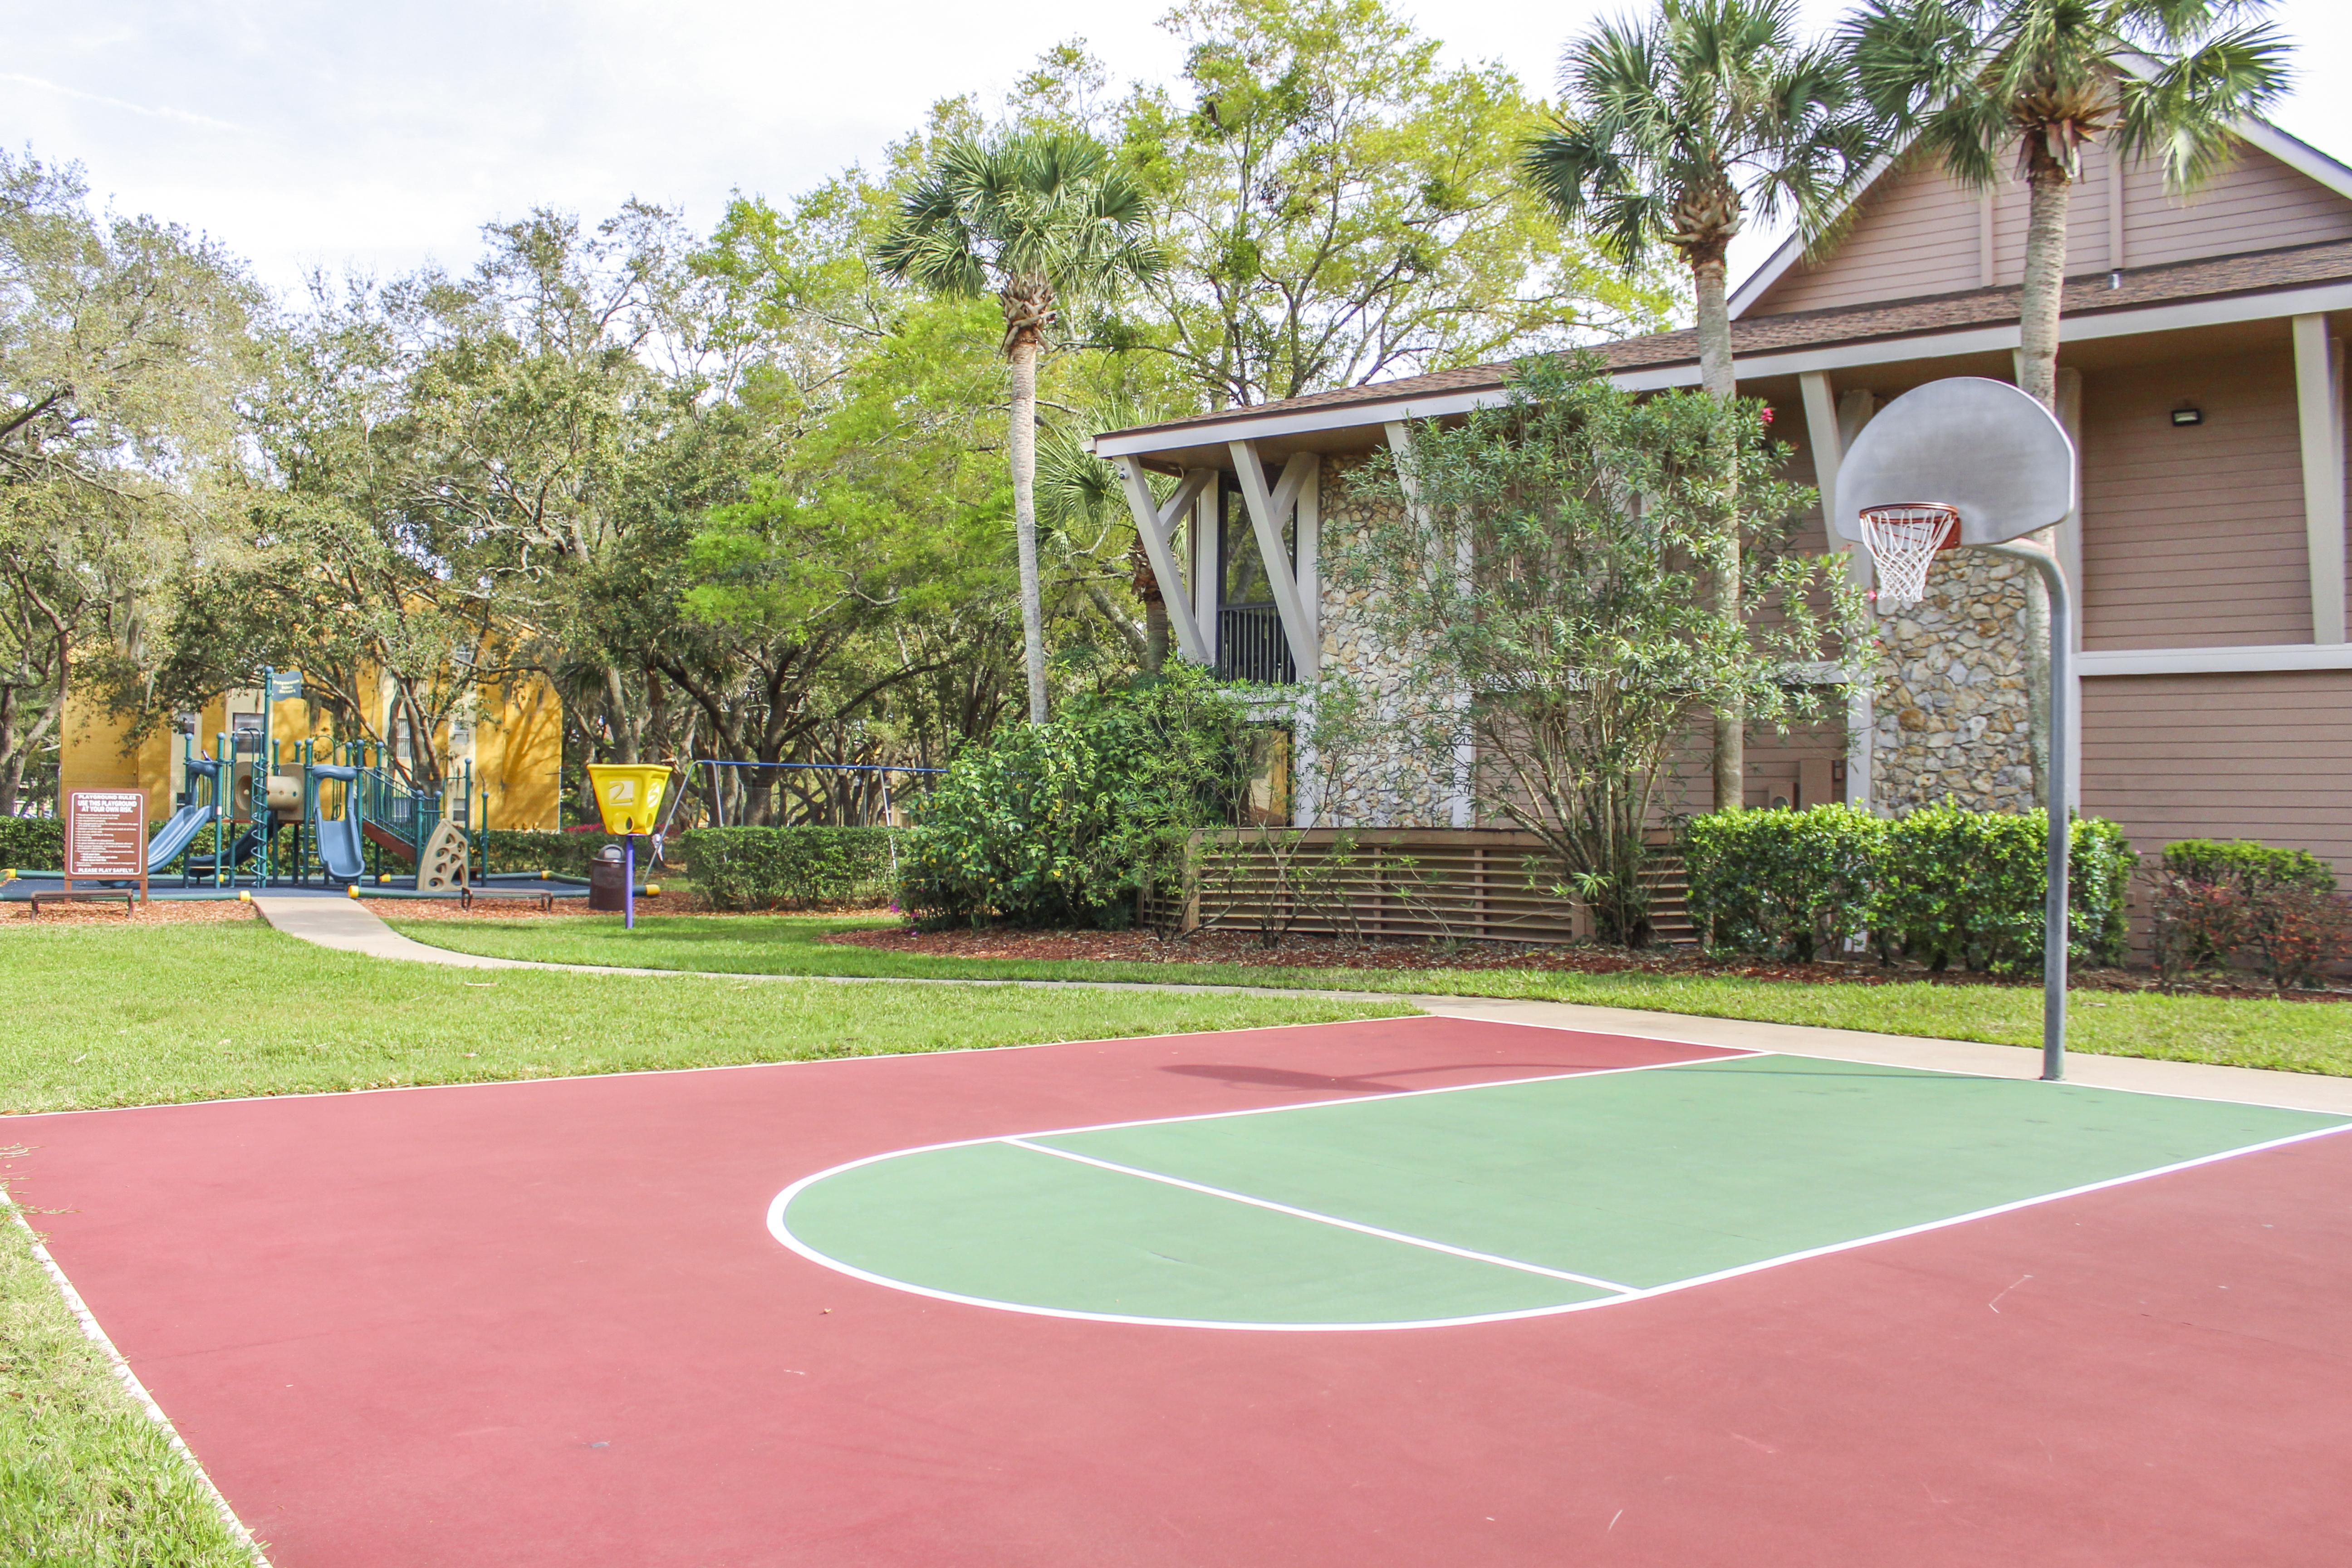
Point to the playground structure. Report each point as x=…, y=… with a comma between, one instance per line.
x=264, y=803
x=285, y=814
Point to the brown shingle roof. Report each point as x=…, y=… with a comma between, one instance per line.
x=2253, y=273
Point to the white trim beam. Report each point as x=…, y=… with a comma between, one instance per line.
x=1999, y=338
x=2260, y=659
x=2319, y=408
x=1154, y=522
x=1268, y=510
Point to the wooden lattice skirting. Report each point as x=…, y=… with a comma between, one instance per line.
x=1427, y=884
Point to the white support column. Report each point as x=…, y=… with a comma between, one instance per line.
x=1208, y=567
x=1305, y=808
x=1311, y=567
x=2116, y=250
x=2319, y=404
x=1985, y=203
x=1826, y=434
x=2069, y=548
x=1268, y=510
x=1153, y=523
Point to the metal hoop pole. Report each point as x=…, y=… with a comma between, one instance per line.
x=2061, y=816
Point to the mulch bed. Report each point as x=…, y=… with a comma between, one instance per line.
x=154, y=913
x=1243, y=949
x=506, y=906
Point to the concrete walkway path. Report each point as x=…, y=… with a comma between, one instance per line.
x=349, y=926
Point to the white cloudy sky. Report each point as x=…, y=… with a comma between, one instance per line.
x=380, y=136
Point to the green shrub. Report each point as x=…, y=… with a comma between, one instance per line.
x=1966, y=888
x=787, y=868
x=1942, y=887
x=32, y=843
x=1066, y=823
x=2250, y=865
x=2276, y=908
x=508, y=850
x=1783, y=884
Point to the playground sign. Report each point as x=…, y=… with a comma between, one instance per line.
x=628, y=797
x=106, y=836
x=284, y=685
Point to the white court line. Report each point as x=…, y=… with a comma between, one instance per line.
x=1328, y=1219
x=783, y=1200
x=1878, y=1061
x=1715, y=1054
x=97, y=1336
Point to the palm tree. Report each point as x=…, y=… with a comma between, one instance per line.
x=1673, y=131
x=1039, y=219
x=1081, y=500
x=1972, y=84
x=1975, y=83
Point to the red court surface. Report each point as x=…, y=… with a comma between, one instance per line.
x=545, y=1323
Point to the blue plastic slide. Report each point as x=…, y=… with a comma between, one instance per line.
x=176, y=834
x=340, y=849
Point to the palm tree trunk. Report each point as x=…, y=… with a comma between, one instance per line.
x=1023, y=354
x=1715, y=374
x=2048, y=192
x=1155, y=635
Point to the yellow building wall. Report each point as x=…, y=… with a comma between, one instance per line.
x=519, y=755
x=93, y=755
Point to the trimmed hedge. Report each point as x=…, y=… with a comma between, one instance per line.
x=1783, y=884
x=787, y=868
x=2257, y=868
x=32, y=843
x=565, y=854
x=1942, y=887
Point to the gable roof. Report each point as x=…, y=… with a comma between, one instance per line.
x=2295, y=153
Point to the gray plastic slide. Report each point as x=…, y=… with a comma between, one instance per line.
x=340, y=849
x=176, y=834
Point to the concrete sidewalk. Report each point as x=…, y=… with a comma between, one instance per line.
x=349, y=926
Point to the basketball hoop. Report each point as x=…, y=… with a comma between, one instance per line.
x=1903, y=539
x=2003, y=467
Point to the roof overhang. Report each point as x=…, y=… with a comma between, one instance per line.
x=1371, y=414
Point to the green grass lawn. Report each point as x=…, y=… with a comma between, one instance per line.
x=2296, y=1037
x=86, y=1479
x=99, y=1015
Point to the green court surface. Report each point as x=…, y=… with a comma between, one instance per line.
x=1486, y=1201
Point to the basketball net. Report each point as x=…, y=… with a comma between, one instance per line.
x=1902, y=541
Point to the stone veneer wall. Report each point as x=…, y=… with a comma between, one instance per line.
x=1950, y=710
x=1392, y=781
x=1950, y=715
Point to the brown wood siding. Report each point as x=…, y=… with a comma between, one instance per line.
x=2267, y=757
x=2258, y=203
x=1916, y=232
x=2193, y=537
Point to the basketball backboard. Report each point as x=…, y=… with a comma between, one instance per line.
x=1980, y=447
